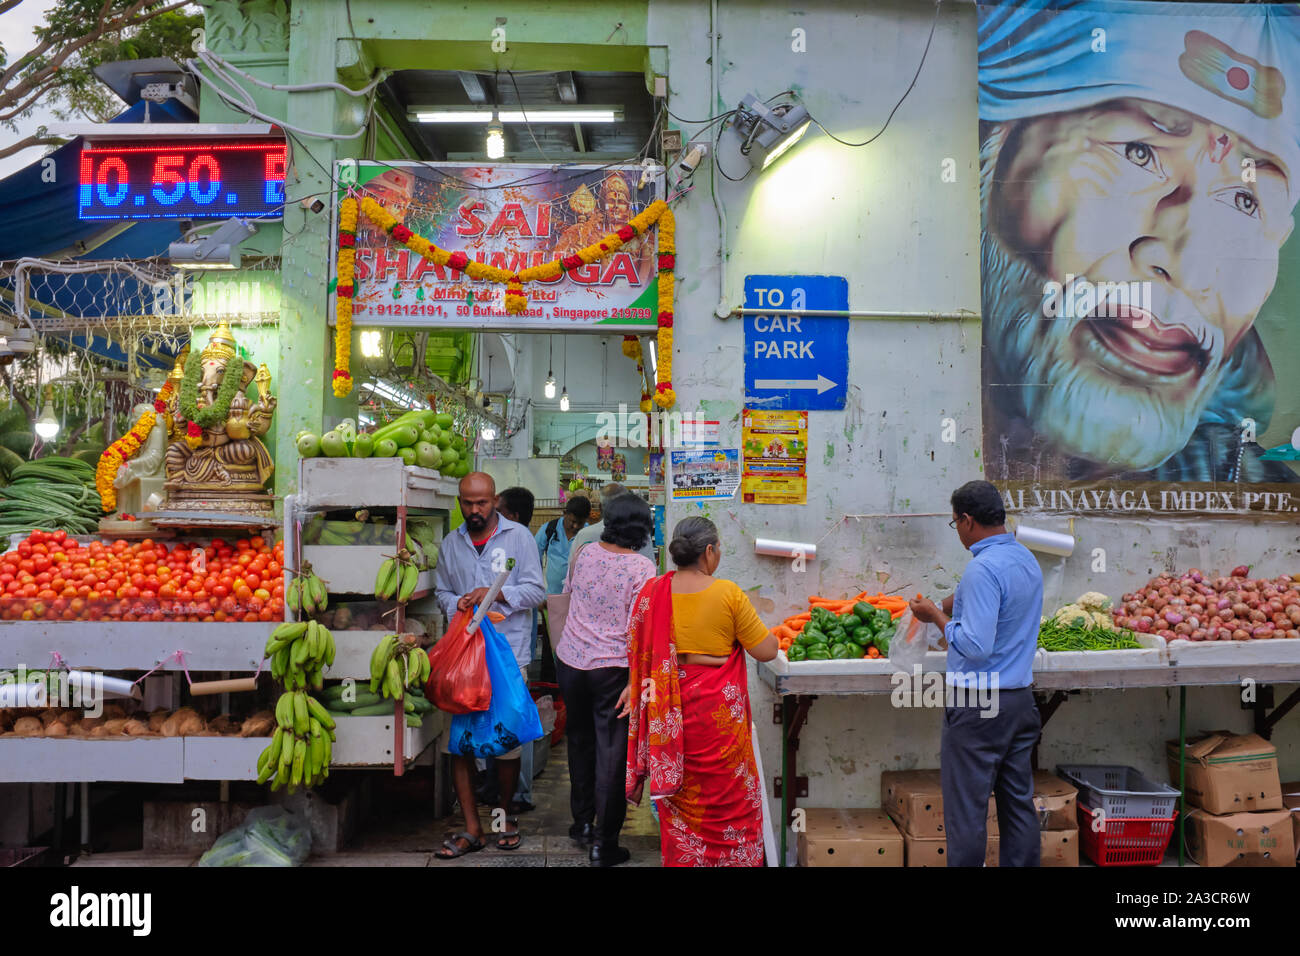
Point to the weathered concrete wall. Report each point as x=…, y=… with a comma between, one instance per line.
x=906, y=240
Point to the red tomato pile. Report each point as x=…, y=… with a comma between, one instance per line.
x=51, y=577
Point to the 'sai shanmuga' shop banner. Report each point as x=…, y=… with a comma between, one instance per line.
x=511, y=216
x=1139, y=173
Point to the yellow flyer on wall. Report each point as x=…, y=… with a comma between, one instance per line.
x=775, y=449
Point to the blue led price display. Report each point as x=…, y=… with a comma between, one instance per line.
x=189, y=180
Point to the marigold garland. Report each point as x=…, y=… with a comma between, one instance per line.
x=125, y=448
x=516, y=299
x=342, y=380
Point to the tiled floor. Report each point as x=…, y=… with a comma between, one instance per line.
x=544, y=831
x=401, y=831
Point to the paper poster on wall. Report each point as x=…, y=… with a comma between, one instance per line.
x=697, y=433
x=705, y=474
x=776, y=457
x=1139, y=273
x=654, y=466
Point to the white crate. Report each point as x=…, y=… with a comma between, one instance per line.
x=1230, y=653
x=372, y=483
x=134, y=645
x=935, y=661
x=1152, y=654
x=368, y=741
x=223, y=758
x=74, y=759
x=351, y=569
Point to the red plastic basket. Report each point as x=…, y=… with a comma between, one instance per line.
x=1125, y=841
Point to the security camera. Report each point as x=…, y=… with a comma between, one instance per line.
x=315, y=205
x=692, y=158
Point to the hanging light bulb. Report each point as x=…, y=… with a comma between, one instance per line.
x=496, y=139
x=47, y=426
x=564, y=400
x=550, y=374
x=564, y=395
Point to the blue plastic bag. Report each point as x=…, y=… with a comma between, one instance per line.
x=511, y=718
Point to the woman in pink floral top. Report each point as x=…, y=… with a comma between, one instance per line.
x=591, y=666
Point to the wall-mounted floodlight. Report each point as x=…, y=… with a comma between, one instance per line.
x=768, y=131
x=220, y=250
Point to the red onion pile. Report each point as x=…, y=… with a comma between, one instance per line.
x=1193, y=607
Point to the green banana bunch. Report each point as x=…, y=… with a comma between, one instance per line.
x=387, y=580
x=392, y=685
x=379, y=658
x=410, y=574
x=417, y=667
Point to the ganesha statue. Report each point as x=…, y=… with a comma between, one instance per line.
x=218, y=462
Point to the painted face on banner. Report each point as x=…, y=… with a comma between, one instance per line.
x=1147, y=207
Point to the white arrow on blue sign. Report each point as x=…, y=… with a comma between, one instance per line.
x=796, y=361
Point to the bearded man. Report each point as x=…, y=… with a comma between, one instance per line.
x=1148, y=157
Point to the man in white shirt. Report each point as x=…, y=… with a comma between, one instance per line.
x=469, y=561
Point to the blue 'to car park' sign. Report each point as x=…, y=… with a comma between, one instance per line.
x=796, y=361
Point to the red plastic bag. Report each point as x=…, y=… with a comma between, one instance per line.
x=459, y=683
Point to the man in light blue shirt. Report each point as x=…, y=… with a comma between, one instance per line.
x=553, y=540
x=991, y=722
x=469, y=561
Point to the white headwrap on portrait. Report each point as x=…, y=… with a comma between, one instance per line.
x=1232, y=64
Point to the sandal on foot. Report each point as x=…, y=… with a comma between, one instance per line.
x=510, y=835
x=455, y=850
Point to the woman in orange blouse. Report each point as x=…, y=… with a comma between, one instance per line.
x=688, y=701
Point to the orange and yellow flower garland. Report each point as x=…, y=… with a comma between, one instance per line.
x=516, y=300
x=346, y=289
x=125, y=448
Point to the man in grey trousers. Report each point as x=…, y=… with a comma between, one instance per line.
x=991, y=723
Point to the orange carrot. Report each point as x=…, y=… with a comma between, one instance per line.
x=873, y=651
x=783, y=632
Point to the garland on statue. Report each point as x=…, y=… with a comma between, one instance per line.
x=125, y=448
x=197, y=419
x=516, y=300
x=346, y=290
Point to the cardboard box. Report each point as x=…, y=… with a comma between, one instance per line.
x=850, y=838
x=1060, y=847
x=928, y=851
x=1055, y=801
x=1263, y=838
x=914, y=800
x=1291, y=800
x=1229, y=773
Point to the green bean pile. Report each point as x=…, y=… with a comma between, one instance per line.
x=1054, y=636
x=50, y=494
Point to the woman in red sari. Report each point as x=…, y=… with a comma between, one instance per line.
x=688, y=702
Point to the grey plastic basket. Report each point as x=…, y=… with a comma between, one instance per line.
x=1120, y=792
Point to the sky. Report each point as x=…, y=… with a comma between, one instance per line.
x=16, y=29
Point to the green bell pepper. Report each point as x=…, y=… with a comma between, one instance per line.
x=883, y=619
x=849, y=620
x=836, y=634
x=864, y=611
x=839, y=652
x=856, y=651
x=882, y=640
x=811, y=635
x=819, y=652
x=862, y=635
x=796, y=652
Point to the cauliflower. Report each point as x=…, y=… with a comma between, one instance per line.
x=1094, y=601
x=1103, y=619
x=1072, y=615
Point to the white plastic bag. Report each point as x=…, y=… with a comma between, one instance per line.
x=269, y=836
x=911, y=640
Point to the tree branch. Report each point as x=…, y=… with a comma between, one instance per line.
x=30, y=141
x=9, y=5
x=17, y=396
x=104, y=27
x=19, y=110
